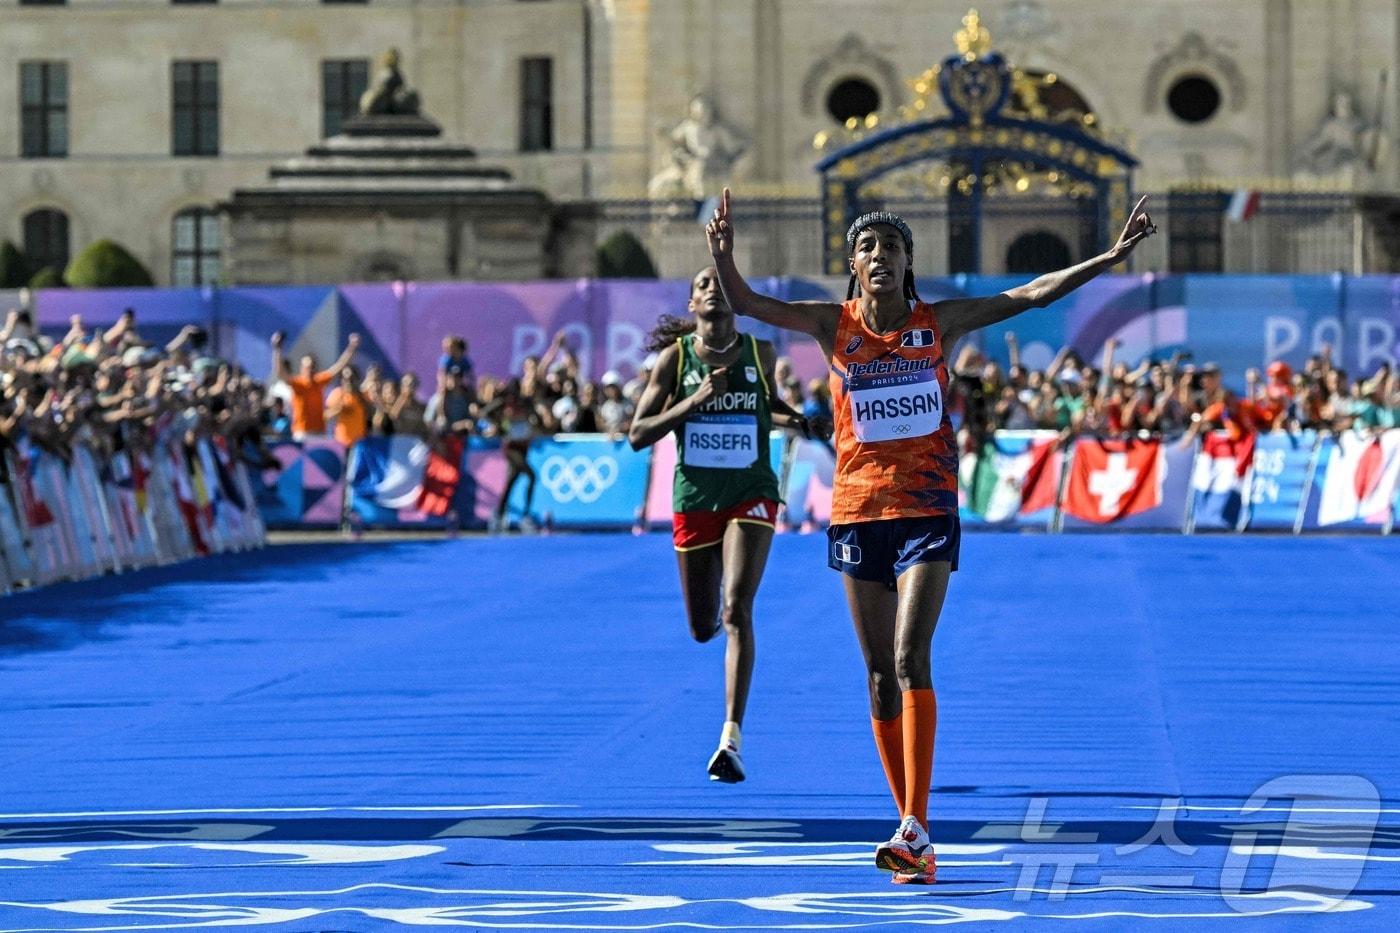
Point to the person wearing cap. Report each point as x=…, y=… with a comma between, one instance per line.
x=632, y=390
x=1273, y=403
x=895, y=533
x=614, y=411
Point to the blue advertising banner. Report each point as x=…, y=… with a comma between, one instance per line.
x=584, y=480
x=1278, y=482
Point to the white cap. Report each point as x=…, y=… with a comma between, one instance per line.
x=611, y=378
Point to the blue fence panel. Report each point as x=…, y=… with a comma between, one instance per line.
x=1279, y=481
x=585, y=480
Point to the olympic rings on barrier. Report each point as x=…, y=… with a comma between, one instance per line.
x=580, y=478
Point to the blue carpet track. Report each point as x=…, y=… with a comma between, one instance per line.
x=1136, y=732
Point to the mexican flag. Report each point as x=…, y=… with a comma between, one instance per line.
x=1016, y=473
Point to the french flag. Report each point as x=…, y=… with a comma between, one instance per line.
x=1219, y=479
x=1244, y=204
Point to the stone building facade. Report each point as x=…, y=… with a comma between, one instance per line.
x=114, y=124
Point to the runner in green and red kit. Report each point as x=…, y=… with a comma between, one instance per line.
x=713, y=387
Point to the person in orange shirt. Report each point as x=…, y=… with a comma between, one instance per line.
x=309, y=386
x=895, y=533
x=349, y=407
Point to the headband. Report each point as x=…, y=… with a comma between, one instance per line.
x=865, y=221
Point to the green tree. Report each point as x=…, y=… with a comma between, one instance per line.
x=622, y=256
x=15, y=270
x=105, y=264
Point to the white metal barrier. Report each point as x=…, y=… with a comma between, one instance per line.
x=86, y=517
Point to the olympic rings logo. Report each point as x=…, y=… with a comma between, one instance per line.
x=578, y=478
x=901, y=429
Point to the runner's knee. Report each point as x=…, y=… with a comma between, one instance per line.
x=912, y=668
x=885, y=701
x=737, y=616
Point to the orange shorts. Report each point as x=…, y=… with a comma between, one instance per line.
x=691, y=530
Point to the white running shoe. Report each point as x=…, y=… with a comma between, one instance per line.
x=908, y=851
x=726, y=766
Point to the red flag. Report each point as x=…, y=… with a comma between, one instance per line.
x=441, y=474
x=1110, y=480
x=36, y=510
x=1042, y=482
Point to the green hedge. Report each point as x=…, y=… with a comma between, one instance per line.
x=105, y=264
x=622, y=256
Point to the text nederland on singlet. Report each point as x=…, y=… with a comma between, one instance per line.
x=721, y=437
x=896, y=406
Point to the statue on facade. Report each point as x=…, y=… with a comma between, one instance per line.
x=701, y=153
x=1341, y=144
x=389, y=93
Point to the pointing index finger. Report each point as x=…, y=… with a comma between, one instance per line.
x=724, y=203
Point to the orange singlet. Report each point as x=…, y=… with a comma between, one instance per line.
x=896, y=454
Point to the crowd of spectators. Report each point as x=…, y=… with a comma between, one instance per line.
x=1167, y=397
x=111, y=390
x=548, y=396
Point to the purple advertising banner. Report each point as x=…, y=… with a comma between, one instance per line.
x=1236, y=321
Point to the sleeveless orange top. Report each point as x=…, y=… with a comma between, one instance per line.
x=896, y=454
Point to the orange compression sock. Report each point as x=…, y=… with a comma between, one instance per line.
x=920, y=720
x=889, y=739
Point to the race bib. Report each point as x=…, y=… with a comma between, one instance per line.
x=724, y=442
x=896, y=407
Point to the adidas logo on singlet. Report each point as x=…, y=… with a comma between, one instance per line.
x=758, y=511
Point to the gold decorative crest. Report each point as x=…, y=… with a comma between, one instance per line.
x=973, y=39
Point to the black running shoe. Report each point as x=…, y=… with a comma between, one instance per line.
x=726, y=765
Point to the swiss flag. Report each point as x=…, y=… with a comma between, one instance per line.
x=1110, y=480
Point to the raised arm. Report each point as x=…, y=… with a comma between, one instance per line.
x=1106, y=371
x=654, y=419
x=1013, y=350
x=279, y=362
x=346, y=356
x=958, y=317
x=815, y=318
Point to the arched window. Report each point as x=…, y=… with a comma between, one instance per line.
x=46, y=239
x=1036, y=252
x=194, y=254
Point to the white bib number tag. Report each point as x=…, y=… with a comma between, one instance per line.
x=725, y=442
x=894, y=408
